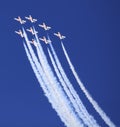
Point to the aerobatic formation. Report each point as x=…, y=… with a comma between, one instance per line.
x=55, y=83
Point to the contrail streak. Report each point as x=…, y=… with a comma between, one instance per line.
x=34, y=59
x=42, y=84
x=49, y=73
x=78, y=101
x=92, y=101
x=56, y=85
x=62, y=107
x=81, y=115
x=36, y=71
x=50, y=79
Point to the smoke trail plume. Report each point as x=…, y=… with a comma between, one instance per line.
x=92, y=101
x=73, y=92
x=59, y=99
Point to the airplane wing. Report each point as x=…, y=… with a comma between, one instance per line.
x=28, y=30
x=17, y=32
x=34, y=20
x=40, y=25
x=49, y=41
x=16, y=19
x=27, y=17
x=41, y=39
x=23, y=21
x=55, y=34
x=48, y=27
x=63, y=37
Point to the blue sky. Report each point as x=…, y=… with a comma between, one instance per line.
x=92, y=29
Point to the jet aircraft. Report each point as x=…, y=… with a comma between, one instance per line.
x=31, y=19
x=45, y=40
x=44, y=26
x=20, y=20
x=33, y=42
x=59, y=35
x=19, y=33
x=32, y=31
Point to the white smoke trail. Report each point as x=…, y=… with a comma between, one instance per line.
x=39, y=74
x=66, y=115
x=92, y=101
x=55, y=104
x=49, y=74
x=75, y=95
x=68, y=93
x=36, y=71
x=42, y=84
x=55, y=90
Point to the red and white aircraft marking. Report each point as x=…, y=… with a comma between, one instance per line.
x=31, y=19
x=44, y=26
x=20, y=20
x=19, y=33
x=32, y=31
x=45, y=40
x=59, y=35
x=33, y=42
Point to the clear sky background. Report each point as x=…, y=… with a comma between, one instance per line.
x=92, y=29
